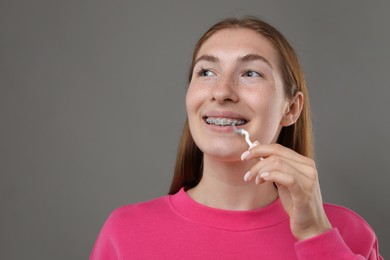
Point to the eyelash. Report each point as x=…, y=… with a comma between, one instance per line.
x=253, y=71
x=201, y=72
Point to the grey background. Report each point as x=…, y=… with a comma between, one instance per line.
x=92, y=106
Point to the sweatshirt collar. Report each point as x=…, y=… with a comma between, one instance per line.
x=240, y=220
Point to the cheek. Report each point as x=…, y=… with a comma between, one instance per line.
x=193, y=104
x=268, y=101
x=268, y=110
x=260, y=102
x=190, y=100
x=194, y=98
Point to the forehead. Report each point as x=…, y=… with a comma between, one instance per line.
x=239, y=42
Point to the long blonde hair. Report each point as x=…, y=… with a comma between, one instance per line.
x=189, y=160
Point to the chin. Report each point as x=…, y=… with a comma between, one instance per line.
x=222, y=151
x=223, y=157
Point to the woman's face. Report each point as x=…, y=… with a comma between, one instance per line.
x=236, y=80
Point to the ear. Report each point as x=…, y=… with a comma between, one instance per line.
x=293, y=110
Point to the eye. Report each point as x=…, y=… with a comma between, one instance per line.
x=205, y=73
x=252, y=73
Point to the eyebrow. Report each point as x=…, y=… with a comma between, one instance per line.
x=246, y=58
x=208, y=58
x=255, y=57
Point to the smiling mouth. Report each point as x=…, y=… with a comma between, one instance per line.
x=222, y=121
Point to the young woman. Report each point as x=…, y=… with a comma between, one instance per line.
x=230, y=202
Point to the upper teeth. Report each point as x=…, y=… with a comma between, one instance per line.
x=224, y=121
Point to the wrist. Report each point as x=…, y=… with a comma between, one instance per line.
x=312, y=232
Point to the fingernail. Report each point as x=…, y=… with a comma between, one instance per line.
x=257, y=181
x=264, y=175
x=255, y=143
x=247, y=176
x=244, y=155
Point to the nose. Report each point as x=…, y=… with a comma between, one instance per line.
x=225, y=90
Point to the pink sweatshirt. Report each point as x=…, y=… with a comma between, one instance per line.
x=177, y=227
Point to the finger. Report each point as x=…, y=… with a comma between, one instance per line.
x=296, y=186
x=267, y=150
x=275, y=163
x=278, y=150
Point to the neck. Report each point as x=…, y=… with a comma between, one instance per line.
x=223, y=186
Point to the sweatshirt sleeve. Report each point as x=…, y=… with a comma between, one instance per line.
x=103, y=249
x=106, y=246
x=331, y=245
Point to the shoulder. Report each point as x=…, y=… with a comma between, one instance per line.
x=346, y=218
x=132, y=217
x=355, y=231
x=140, y=209
x=125, y=224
